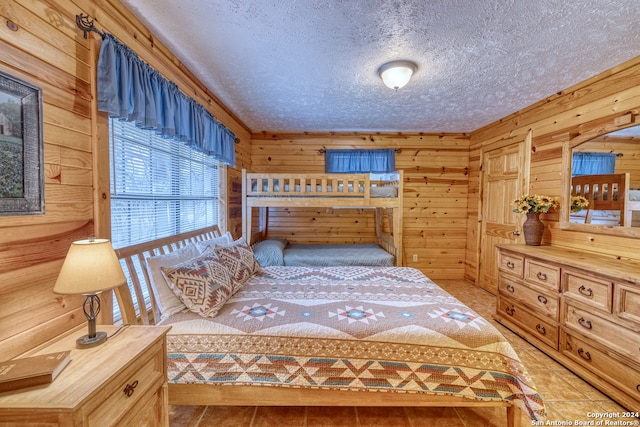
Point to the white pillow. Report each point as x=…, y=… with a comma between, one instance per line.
x=224, y=240
x=168, y=302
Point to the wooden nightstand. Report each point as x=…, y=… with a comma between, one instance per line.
x=121, y=382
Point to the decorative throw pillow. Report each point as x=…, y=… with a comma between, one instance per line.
x=270, y=252
x=203, y=284
x=166, y=300
x=224, y=240
x=240, y=261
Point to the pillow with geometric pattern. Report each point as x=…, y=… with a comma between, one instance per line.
x=240, y=261
x=203, y=283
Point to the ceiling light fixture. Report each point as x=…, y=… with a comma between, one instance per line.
x=396, y=74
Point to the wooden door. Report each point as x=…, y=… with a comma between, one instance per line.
x=502, y=183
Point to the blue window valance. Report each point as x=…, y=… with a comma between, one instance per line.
x=360, y=161
x=593, y=164
x=129, y=89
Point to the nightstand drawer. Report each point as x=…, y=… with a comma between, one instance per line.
x=510, y=263
x=541, y=329
x=142, y=377
x=588, y=290
x=542, y=274
x=623, y=340
x=544, y=303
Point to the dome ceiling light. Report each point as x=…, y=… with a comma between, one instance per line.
x=396, y=74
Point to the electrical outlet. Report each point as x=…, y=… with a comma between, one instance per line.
x=415, y=257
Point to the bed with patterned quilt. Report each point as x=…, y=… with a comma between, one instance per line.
x=336, y=336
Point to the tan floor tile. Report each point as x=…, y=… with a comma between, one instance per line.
x=590, y=392
x=434, y=417
x=484, y=417
x=185, y=416
x=332, y=416
x=572, y=411
x=553, y=387
x=285, y=416
x=227, y=416
x=382, y=417
x=535, y=360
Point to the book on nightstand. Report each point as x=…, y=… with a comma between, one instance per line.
x=35, y=370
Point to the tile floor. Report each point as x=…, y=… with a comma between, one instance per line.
x=567, y=397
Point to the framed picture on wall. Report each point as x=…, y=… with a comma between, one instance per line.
x=21, y=148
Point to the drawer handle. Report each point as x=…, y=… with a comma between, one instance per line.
x=510, y=288
x=542, y=299
x=130, y=388
x=541, y=276
x=638, y=387
x=586, y=292
x=585, y=323
x=510, y=310
x=584, y=354
x=541, y=329
x=510, y=265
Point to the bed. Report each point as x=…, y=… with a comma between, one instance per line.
x=339, y=191
x=607, y=193
x=332, y=336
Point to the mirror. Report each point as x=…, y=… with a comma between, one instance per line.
x=603, y=167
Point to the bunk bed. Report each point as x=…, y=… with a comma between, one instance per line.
x=319, y=336
x=607, y=192
x=265, y=190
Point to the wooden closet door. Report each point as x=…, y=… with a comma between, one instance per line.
x=502, y=184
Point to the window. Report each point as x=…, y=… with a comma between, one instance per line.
x=159, y=187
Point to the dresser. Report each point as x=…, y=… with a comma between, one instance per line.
x=581, y=309
x=121, y=382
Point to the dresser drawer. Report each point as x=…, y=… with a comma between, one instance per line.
x=627, y=303
x=588, y=290
x=511, y=263
x=545, y=303
x=620, y=372
x=542, y=274
x=143, y=376
x=544, y=330
x=621, y=339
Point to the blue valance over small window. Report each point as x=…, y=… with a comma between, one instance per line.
x=129, y=89
x=593, y=164
x=360, y=161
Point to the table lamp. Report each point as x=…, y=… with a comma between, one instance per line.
x=91, y=266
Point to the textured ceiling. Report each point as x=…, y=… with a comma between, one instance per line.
x=310, y=65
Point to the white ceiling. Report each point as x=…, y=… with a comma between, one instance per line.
x=310, y=65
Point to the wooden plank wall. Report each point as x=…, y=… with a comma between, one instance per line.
x=435, y=194
x=579, y=109
x=40, y=43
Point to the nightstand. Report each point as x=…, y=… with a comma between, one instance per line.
x=121, y=382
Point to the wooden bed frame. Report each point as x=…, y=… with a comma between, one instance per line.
x=322, y=190
x=606, y=192
x=133, y=258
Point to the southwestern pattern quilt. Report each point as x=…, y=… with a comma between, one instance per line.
x=355, y=328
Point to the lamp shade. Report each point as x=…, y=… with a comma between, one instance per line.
x=91, y=266
x=396, y=74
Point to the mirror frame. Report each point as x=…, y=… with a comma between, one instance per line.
x=573, y=140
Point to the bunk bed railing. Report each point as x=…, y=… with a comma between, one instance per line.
x=309, y=185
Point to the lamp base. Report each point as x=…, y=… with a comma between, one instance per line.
x=86, y=341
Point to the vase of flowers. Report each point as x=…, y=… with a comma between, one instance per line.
x=533, y=206
x=578, y=203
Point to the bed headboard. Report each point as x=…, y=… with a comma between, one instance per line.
x=604, y=192
x=133, y=261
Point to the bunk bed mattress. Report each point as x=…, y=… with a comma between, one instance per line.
x=383, y=329
x=365, y=254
